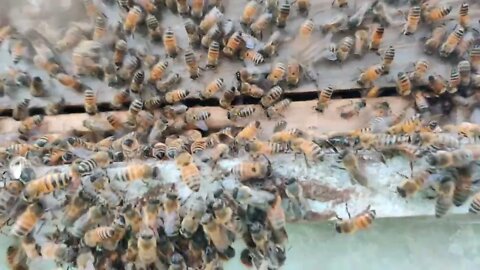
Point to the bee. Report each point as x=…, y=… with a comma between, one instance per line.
x=256, y=148
x=404, y=86
x=76, y=207
x=421, y=68
x=171, y=218
x=463, y=186
x=251, y=90
x=437, y=84
x=249, y=132
x=18, y=50
x=278, y=108
x=90, y=102
x=50, y=66
x=227, y=98
x=56, y=251
x=151, y=212
x=165, y=84
x=152, y=103
x=242, y=112
x=413, y=18
x=421, y=102
x=119, y=52
x=170, y=43
x=475, y=204
x=311, y=151
x=215, y=33
x=30, y=247
x=271, y=96
x=69, y=81
x=361, y=37
x=147, y=249
x=27, y=220
x=19, y=149
x=252, y=56
x=306, y=29
x=100, y=27
x=277, y=73
x=158, y=71
x=44, y=185
x=303, y=7
x=388, y=58
x=176, y=96
x=192, y=66
x=197, y=9
x=120, y=98
x=191, y=221
x=182, y=7
x=14, y=258
x=433, y=43
x=445, y=159
x=464, y=70
x=177, y=262
x=136, y=172
x=294, y=71
x=452, y=41
x=218, y=234
x=97, y=236
x=286, y=136
x=213, y=55
x=189, y=172
x=475, y=57
x=71, y=38
x=370, y=75
x=445, y=194
x=155, y=31
x=376, y=38
x=211, y=19
x=436, y=14
x=193, y=34
x=9, y=196
x=282, y=15
x=98, y=160
x=351, y=163
x=276, y=219
x=134, y=17
x=359, y=222
x=27, y=125
x=324, y=97
x=212, y=88
x=271, y=46
x=234, y=44
x=249, y=13
x=465, y=44
x=260, y=24
x=193, y=116
x=344, y=48
x=407, y=126
x=37, y=89
x=463, y=17
x=5, y=32
x=20, y=111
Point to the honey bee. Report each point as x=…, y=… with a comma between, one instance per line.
x=213, y=55
x=437, y=84
x=50, y=66
x=361, y=37
x=20, y=111
x=464, y=70
x=170, y=215
x=463, y=17
x=69, y=81
x=193, y=117
x=475, y=204
x=413, y=18
x=445, y=193
x=277, y=73
x=376, y=38
x=433, y=43
x=71, y=38
x=435, y=14
x=294, y=70
x=463, y=186
x=44, y=185
x=197, y=9
x=120, y=98
x=311, y=151
x=475, y=58
x=344, y=48
x=214, y=34
x=134, y=17
x=271, y=96
x=90, y=102
x=278, y=108
x=256, y=148
x=283, y=13
x=465, y=44
x=324, y=97
x=37, y=89
x=286, y=136
x=370, y=75
x=27, y=125
x=361, y=221
x=136, y=172
x=165, y=84
x=421, y=102
x=30, y=247
x=242, y=112
x=276, y=219
x=227, y=98
x=249, y=13
x=252, y=56
x=351, y=164
x=249, y=132
x=170, y=43
x=189, y=172
x=14, y=259
x=192, y=66
x=210, y=19
x=19, y=149
x=177, y=262
x=218, y=234
x=147, y=249
x=445, y=159
x=136, y=84
x=56, y=251
x=119, y=52
x=27, y=220
x=9, y=196
x=212, y=88
x=155, y=32
x=411, y=186
x=182, y=7
x=191, y=221
x=251, y=90
x=234, y=44
x=271, y=46
x=260, y=24
x=421, y=68
x=193, y=33
x=303, y=7
x=175, y=96
x=452, y=41
x=100, y=27
x=76, y=207
x=97, y=236
x=100, y=159
x=404, y=86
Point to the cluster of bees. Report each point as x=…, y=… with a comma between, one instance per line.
x=80, y=215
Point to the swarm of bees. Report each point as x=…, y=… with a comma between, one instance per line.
x=107, y=201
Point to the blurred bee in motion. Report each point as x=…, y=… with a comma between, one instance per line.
x=437, y=84
x=90, y=102
x=170, y=43
x=20, y=111
x=213, y=55
x=452, y=41
x=197, y=7
x=359, y=222
x=15, y=259
x=436, y=14
x=361, y=38
x=444, y=200
x=176, y=96
x=376, y=38
x=100, y=27
x=475, y=204
x=260, y=24
x=412, y=185
x=464, y=70
x=463, y=185
x=354, y=111
x=132, y=19
x=294, y=72
x=210, y=19
x=182, y=7
x=413, y=18
x=192, y=65
x=249, y=13
x=303, y=7
x=404, y=86
x=193, y=33
x=324, y=97
x=351, y=164
x=155, y=31
x=270, y=48
x=69, y=81
x=136, y=172
x=136, y=85
x=420, y=71
x=278, y=108
x=388, y=58
x=421, y=102
x=37, y=89
x=433, y=43
x=344, y=48
x=171, y=80
x=251, y=90
x=370, y=75
x=277, y=73
x=29, y=124
x=27, y=220
x=119, y=52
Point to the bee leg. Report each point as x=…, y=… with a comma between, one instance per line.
x=346, y=208
x=402, y=175
x=306, y=161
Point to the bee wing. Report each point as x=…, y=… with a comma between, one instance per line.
x=202, y=125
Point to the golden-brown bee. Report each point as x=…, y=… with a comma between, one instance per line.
x=452, y=41
x=9, y=196
x=154, y=102
x=249, y=132
x=191, y=221
x=294, y=72
x=147, y=250
x=433, y=43
x=371, y=74
x=197, y=9
x=120, y=98
x=20, y=111
x=189, y=172
x=463, y=186
x=271, y=46
x=283, y=12
x=242, y=112
x=90, y=102
x=361, y=38
x=100, y=159
x=193, y=33
x=50, y=66
x=324, y=97
x=252, y=56
x=69, y=81
x=421, y=102
x=134, y=17
x=44, y=185
x=421, y=68
x=475, y=204
x=256, y=148
x=37, y=89
x=277, y=73
x=261, y=24
x=182, y=7
x=136, y=172
x=437, y=84
x=27, y=220
x=359, y=222
x=456, y=158
x=445, y=193
x=376, y=38
x=464, y=70
x=306, y=29
x=388, y=58
x=159, y=150
x=218, y=234
x=285, y=136
x=276, y=219
x=192, y=65
x=465, y=44
x=71, y=38
x=227, y=98
x=278, y=108
x=251, y=90
x=155, y=31
x=412, y=185
x=413, y=19
x=404, y=86
x=234, y=44
x=271, y=96
x=463, y=17
x=344, y=48
x=175, y=146
x=475, y=57
x=170, y=214
x=249, y=12
x=19, y=149
x=303, y=7
x=212, y=88
x=30, y=247
x=171, y=80
x=98, y=236
x=193, y=116
x=100, y=27
x=215, y=33
x=311, y=151
x=351, y=164
x=175, y=96
x=212, y=17
x=27, y=125
x=150, y=213
x=15, y=259
x=119, y=52
x=435, y=14
x=170, y=43
x=56, y=251
x=76, y=207
x=213, y=55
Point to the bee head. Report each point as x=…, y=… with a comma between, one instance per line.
x=338, y=228
x=401, y=192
